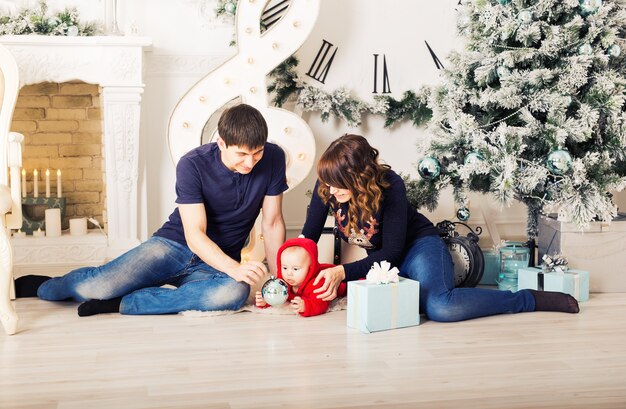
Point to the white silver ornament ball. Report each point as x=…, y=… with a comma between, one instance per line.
x=275, y=291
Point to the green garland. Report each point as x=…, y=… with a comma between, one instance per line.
x=286, y=84
x=37, y=21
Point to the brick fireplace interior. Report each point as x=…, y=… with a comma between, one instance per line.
x=62, y=127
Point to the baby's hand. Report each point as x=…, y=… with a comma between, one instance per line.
x=297, y=305
x=258, y=300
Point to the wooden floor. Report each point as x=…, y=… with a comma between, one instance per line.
x=248, y=360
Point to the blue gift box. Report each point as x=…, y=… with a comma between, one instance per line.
x=378, y=307
x=492, y=268
x=572, y=282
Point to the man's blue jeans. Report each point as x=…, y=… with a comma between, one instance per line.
x=428, y=261
x=138, y=274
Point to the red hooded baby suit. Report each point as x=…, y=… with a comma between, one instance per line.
x=312, y=304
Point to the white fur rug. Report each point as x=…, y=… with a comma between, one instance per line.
x=335, y=305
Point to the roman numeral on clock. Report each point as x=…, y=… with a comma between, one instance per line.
x=436, y=59
x=386, y=87
x=322, y=62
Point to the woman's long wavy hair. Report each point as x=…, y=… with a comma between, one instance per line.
x=351, y=163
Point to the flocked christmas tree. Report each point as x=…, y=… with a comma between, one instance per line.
x=532, y=110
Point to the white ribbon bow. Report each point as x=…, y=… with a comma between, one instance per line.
x=382, y=273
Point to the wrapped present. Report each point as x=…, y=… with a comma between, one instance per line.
x=378, y=307
x=492, y=268
x=573, y=282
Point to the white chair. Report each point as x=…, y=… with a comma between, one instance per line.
x=10, y=198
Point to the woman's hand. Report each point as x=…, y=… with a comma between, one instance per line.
x=332, y=276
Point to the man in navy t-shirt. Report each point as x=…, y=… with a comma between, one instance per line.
x=220, y=188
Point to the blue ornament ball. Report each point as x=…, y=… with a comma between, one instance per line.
x=615, y=50
x=274, y=291
x=504, y=2
x=472, y=158
x=525, y=16
x=428, y=167
x=463, y=214
x=559, y=161
x=585, y=49
x=588, y=7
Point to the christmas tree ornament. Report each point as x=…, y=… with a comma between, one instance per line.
x=585, y=49
x=428, y=167
x=525, y=16
x=72, y=31
x=615, y=50
x=559, y=161
x=230, y=8
x=274, y=291
x=588, y=7
x=504, y=2
x=463, y=214
x=473, y=158
x=503, y=72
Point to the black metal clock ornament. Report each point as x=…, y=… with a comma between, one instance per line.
x=468, y=259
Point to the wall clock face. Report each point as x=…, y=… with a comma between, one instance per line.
x=374, y=47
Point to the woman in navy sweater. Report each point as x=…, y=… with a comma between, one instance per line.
x=370, y=205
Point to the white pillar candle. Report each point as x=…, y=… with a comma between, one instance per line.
x=39, y=233
x=53, y=222
x=59, y=191
x=35, y=187
x=78, y=227
x=19, y=233
x=23, y=182
x=47, y=182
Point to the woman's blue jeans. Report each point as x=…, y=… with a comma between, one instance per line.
x=138, y=275
x=428, y=261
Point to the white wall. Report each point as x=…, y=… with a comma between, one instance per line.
x=188, y=42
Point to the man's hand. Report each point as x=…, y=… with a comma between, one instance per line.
x=258, y=300
x=333, y=277
x=297, y=305
x=249, y=272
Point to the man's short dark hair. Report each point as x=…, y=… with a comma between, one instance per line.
x=243, y=125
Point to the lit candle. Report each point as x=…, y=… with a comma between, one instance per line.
x=39, y=233
x=47, y=182
x=23, y=182
x=19, y=234
x=35, y=187
x=59, y=183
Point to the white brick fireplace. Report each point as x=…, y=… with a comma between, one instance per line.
x=116, y=64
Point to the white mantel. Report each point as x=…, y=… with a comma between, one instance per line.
x=116, y=64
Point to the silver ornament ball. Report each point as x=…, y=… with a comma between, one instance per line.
x=615, y=50
x=230, y=7
x=525, y=16
x=559, y=161
x=585, y=49
x=274, y=291
x=503, y=72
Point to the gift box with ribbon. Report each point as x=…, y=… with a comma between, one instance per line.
x=570, y=281
x=383, y=301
